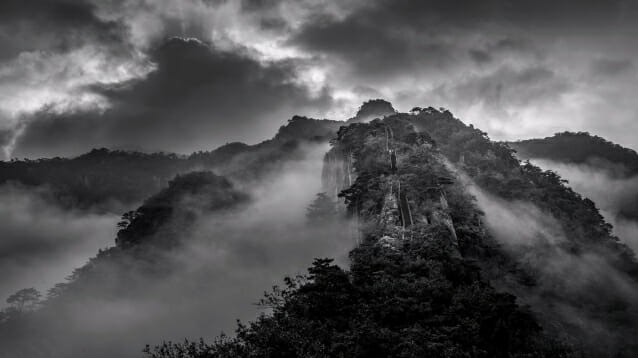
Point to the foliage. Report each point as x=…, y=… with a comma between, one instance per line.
x=579, y=148
x=97, y=180
x=387, y=306
x=424, y=289
x=495, y=169
x=110, y=180
x=202, y=191
x=411, y=297
x=21, y=303
x=25, y=299
x=374, y=108
x=304, y=128
x=322, y=209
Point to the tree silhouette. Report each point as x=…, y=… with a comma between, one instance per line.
x=322, y=208
x=25, y=299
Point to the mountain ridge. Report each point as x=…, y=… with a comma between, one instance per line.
x=433, y=272
x=494, y=168
x=580, y=148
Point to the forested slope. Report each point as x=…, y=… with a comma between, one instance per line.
x=580, y=148
x=430, y=274
x=115, y=180
x=462, y=250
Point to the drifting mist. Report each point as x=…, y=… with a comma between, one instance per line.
x=615, y=195
x=567, y=284
x=226, y=263
x=42, y=243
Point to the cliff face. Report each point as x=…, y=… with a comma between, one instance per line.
x=462, y=250
x=390, y=154
x=415, y=180
x=410, y=290
x=438, y=271
x=338, y=172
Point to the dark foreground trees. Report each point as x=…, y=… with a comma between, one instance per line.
x=409, y=291
x=417, y=303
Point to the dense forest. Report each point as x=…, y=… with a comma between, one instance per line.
x=580, y=148
x=597, y=167
x=113, y=180
x=432, y=274
x=145, y=237
x=422, y=280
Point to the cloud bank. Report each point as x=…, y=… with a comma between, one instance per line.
x=41, y=244
x=615, y=196
x=229, y=259
x=197, y=98
x=576, y=294
x=517, y=70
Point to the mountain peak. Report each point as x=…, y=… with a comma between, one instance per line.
x=374, y=108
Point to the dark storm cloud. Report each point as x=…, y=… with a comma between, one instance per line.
x=5, y=135
x=480, y=56
x=612, y=67
x=403, y=35
x=382, y=39
x=50, y=50
x=511, y=87
x=404, y=51
x=512, y=48
x=410, y=50
x=198, y=98
x=59, y=25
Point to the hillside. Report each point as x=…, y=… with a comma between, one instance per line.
x=374, y=108
x=599, y=169
x=102, y=179
x=106, y=180
x=462, y=250
x=580, y=148
x=121, y=272
x=433, y=275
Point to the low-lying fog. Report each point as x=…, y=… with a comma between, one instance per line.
x=41, y=244
x=572, y=291
x=229, y=261
x=615, y=196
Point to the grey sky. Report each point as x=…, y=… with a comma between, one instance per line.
x=195, y=74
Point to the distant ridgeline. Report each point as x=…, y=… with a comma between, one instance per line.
x=112, y=180
x=422, y=279
x=580, y=148
x=145, y=237
x=427, y=278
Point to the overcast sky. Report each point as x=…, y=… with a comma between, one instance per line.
x=194, y=74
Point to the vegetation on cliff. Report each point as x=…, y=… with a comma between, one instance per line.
x=409, y=291
x=430, y=276
x=106, y=180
